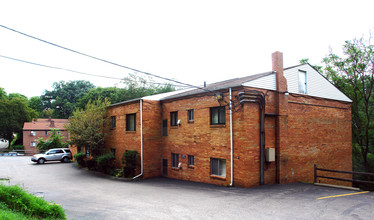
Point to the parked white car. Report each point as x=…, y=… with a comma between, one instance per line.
x=58, y=154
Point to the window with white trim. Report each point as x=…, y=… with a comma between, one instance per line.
x=303, y=82
x=33, y=133
x=33, y=144
x=218, y=167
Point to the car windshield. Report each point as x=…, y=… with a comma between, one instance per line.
x=67, y=151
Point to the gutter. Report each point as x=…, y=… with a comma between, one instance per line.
x=231, y=142
x=141, y=139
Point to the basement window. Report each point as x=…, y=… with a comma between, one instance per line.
x=112, y=122
x=173, y=118
x=218, y=115
x=174, y=160
x=131, y=122
x=218, y=167
x=303, y=82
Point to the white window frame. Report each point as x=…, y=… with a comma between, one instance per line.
x=33, y=144
x=302, y=81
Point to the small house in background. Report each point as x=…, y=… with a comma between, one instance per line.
x=41, y=128
x=260, y=129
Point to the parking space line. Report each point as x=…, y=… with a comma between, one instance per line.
x=349, y=194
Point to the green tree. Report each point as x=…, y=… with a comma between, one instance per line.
x=54, y=141
x=353, y=74
x=306, y=61
x=138, y=87
x=64, y=97
x=113, y=95
x=14, y=111
x=86, y=126
x=36, y=104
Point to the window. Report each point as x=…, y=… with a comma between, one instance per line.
x=33, y=144
x=87, y=152
x=131, y=122
x=191, y=160
x=112, y=122
x=218, y=115
x=302, y=82
x=218, y=167
x=190, y=115
x=173, y=118
x=46, y=133
x=165, y=127
x=33, y=133
x=174, y=160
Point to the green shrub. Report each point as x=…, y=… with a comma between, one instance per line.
x=105, y=163
x=18, y=147
x=80, y=158
x=129, y=158
x=91, y=164
x=17, y=199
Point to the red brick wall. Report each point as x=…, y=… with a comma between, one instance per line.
x=123, y=140
x=317, y=131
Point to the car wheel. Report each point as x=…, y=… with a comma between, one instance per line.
x=65, y=160
x=41, y=161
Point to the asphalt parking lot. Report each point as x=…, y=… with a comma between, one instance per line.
x=85, y=195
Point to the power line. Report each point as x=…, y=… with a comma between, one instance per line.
x=74, y=71
x=103, y=60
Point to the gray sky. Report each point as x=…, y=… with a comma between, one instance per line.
x=190, y=41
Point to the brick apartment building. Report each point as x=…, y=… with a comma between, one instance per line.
x=41, y=128
x=261, y=129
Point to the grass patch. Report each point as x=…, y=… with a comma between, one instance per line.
x=15, y=200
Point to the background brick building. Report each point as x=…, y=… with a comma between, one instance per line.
x=226, y=132
x=41, y=128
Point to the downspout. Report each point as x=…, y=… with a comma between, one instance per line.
x=231, y=141
x=141, y=140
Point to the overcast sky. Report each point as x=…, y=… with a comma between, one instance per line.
x=190, y=41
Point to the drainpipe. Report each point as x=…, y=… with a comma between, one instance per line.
x=231, y=141
x=141, y=140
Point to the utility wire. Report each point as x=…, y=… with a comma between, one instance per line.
x=74, y=71
x=103, y=60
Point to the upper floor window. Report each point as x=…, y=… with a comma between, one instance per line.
x=218, y=115
x=190, y=115
x=112, y=122
x=173, y=118
x=131, y=122
x=303, y=82
x=33, y=133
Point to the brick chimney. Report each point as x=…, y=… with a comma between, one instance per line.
x=281, y=124
x=277, y=64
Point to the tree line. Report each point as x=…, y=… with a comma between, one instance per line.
x=65, y=98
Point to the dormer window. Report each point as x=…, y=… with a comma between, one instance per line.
x=303, y=86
